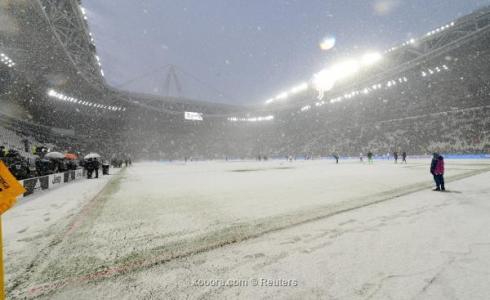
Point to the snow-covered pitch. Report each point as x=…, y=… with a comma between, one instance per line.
x=303, y=229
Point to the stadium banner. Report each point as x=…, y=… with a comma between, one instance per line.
x=193, y=116
x=55, y=179
x=35, y=184
x=467, y=156
x=69, y=176
x=49, y=181
x=78, y=174
x=63, y=131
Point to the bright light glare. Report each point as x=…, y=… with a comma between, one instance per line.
x=371, y=58
x=299, y=88
x=327, y=43
x=250, y=119
x=323, y=81
x=345, y=69
x=54, y=94
x=306, y=108
x=282, y=96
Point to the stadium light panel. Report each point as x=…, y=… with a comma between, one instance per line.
x=251, y=119
x=6, y=60
x=305, y=108
x=299, y=88
x=282, y=96
x=52, y=93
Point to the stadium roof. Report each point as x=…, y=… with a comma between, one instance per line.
x=51, y=45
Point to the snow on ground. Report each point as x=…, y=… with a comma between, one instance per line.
x=158, y=227
x=36, y=221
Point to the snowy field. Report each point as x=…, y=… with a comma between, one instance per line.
x=305, y=229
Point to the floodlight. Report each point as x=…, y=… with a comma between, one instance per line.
x=282, y=96
x=299, y=88
x=323, y=80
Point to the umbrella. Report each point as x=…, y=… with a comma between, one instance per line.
x=54, y=154
x=92, y=155
x=71, y=156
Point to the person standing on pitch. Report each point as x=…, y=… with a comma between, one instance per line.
x=437, y=170
x=395, y=155
x=370, y=157
x=404, y=157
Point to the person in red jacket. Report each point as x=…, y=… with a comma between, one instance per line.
x=437, y=170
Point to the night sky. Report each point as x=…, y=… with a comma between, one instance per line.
x=246, y=51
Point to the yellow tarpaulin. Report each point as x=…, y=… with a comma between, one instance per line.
x=10, y=188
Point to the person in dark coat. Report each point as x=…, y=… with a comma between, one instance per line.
x=336, y=157
x=395, y=156
x=89, y=166
x=404, y=157
x=437, y=170
x=96, y=165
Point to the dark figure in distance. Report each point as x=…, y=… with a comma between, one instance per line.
x=437, y=170
x=96, y=167
x=92, y=165
x=89, y=166
x=336, y=158
x=395, y=155
x=404, y=157
x=370, y=157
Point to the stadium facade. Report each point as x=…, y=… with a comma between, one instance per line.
x=428, y=94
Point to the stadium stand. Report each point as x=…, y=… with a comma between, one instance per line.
x=428, y=95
